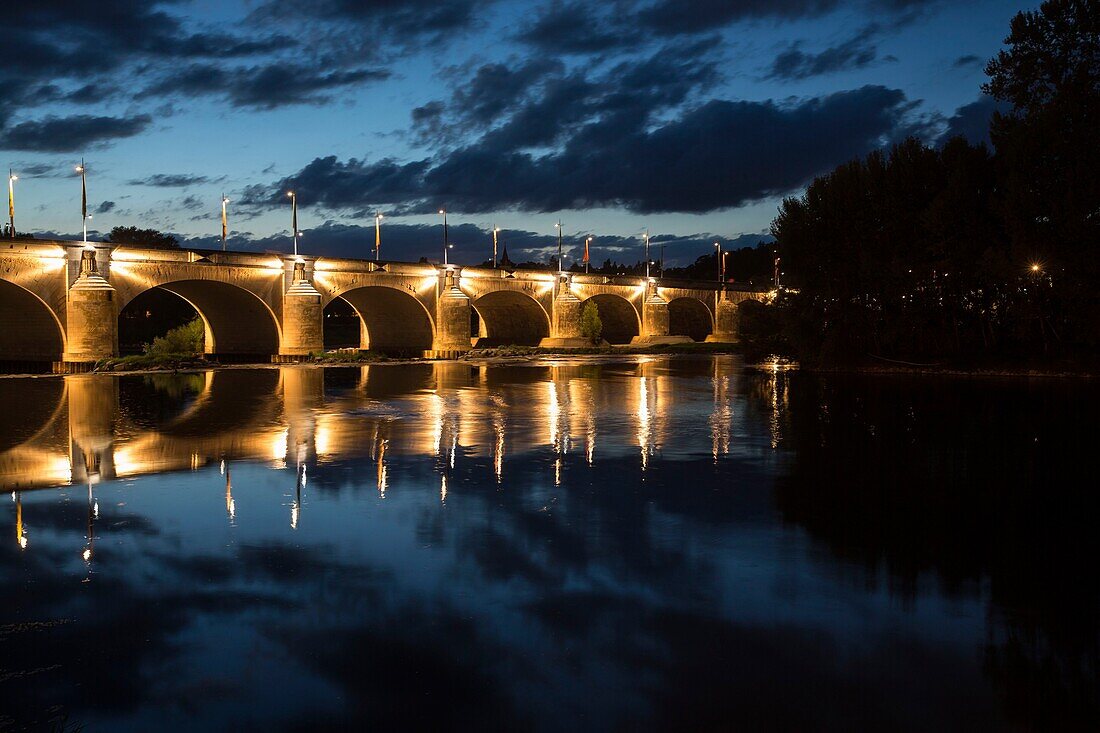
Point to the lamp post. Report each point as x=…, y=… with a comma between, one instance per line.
x=647, y=254
x=718, y=255
x=12, y=178
x=225, y=221
x=446, y=244
x=377, y=236
x=294, y=219
x=587, y=254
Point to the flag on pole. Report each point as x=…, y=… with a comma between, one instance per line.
x=722, y=265
x=83, y=191
x=294, y=217
x=11, y=200
x=225, y=224
x=377, y=235
x=586, y=240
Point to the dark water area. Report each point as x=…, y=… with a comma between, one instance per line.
x=672, y=544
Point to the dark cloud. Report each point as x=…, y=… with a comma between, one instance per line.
x=578, y=28
x=670, y=17
x=967, y=60
x=361, y=24
x=261, y=87
x=537, y=103
x=857, y=52
x=971, y=121
x=68, y=134
x=718, y=155
x=105, y=207
x=172, y=180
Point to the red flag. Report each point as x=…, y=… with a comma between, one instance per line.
x=585, y=260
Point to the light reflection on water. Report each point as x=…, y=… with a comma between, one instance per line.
x=653, y=543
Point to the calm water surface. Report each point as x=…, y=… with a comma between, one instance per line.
x=655, y=544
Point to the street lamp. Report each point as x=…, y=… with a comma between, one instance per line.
x=718, y=254
x=294, y=219
x=446, y=244
x=12, y=178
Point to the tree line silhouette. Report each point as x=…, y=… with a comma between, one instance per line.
x=923, y=253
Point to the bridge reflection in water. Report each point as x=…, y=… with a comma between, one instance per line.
x=83, y=429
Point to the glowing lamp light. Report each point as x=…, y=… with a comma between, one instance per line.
x=1035, y=267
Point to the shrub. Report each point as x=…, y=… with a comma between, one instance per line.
x=591, y=325
x=186, y=339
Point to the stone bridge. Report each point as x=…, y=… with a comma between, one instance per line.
x=61, y=302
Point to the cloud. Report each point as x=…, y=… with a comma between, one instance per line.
x=173, y=180
x=716, y=155
x=261, y=87
x=67, y=134
x=105, y=207
x=968, y=60
x=578, y=28
x=856, y=53
x=669, y=17
x=971, y=121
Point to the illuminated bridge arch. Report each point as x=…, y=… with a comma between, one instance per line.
x=237, y=321
x=510, y=317
x=393, y=321
x=689, y=317
x=31, y=330
x=619, y=317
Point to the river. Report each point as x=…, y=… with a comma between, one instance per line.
x=565, y=544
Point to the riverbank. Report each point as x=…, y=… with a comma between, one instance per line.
x=754, y=358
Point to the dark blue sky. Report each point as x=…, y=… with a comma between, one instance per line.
x=690, y=118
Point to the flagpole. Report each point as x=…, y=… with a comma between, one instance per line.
x=12, y=178
x=560, y=269
x=495, y=230
x=294, y=219
x=377, y=236
x=647, y=253
x=225, y=221
x=587, y=256
x=83, y=200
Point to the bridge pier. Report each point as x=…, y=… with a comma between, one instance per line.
x=725, y=321
x=303, y=327
x=565, y=320
x=655, y=321
x=452, y=320
x=91, y=316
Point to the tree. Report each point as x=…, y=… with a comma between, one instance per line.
x=1048, y=152
x=591, y=325
x=148, y=238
